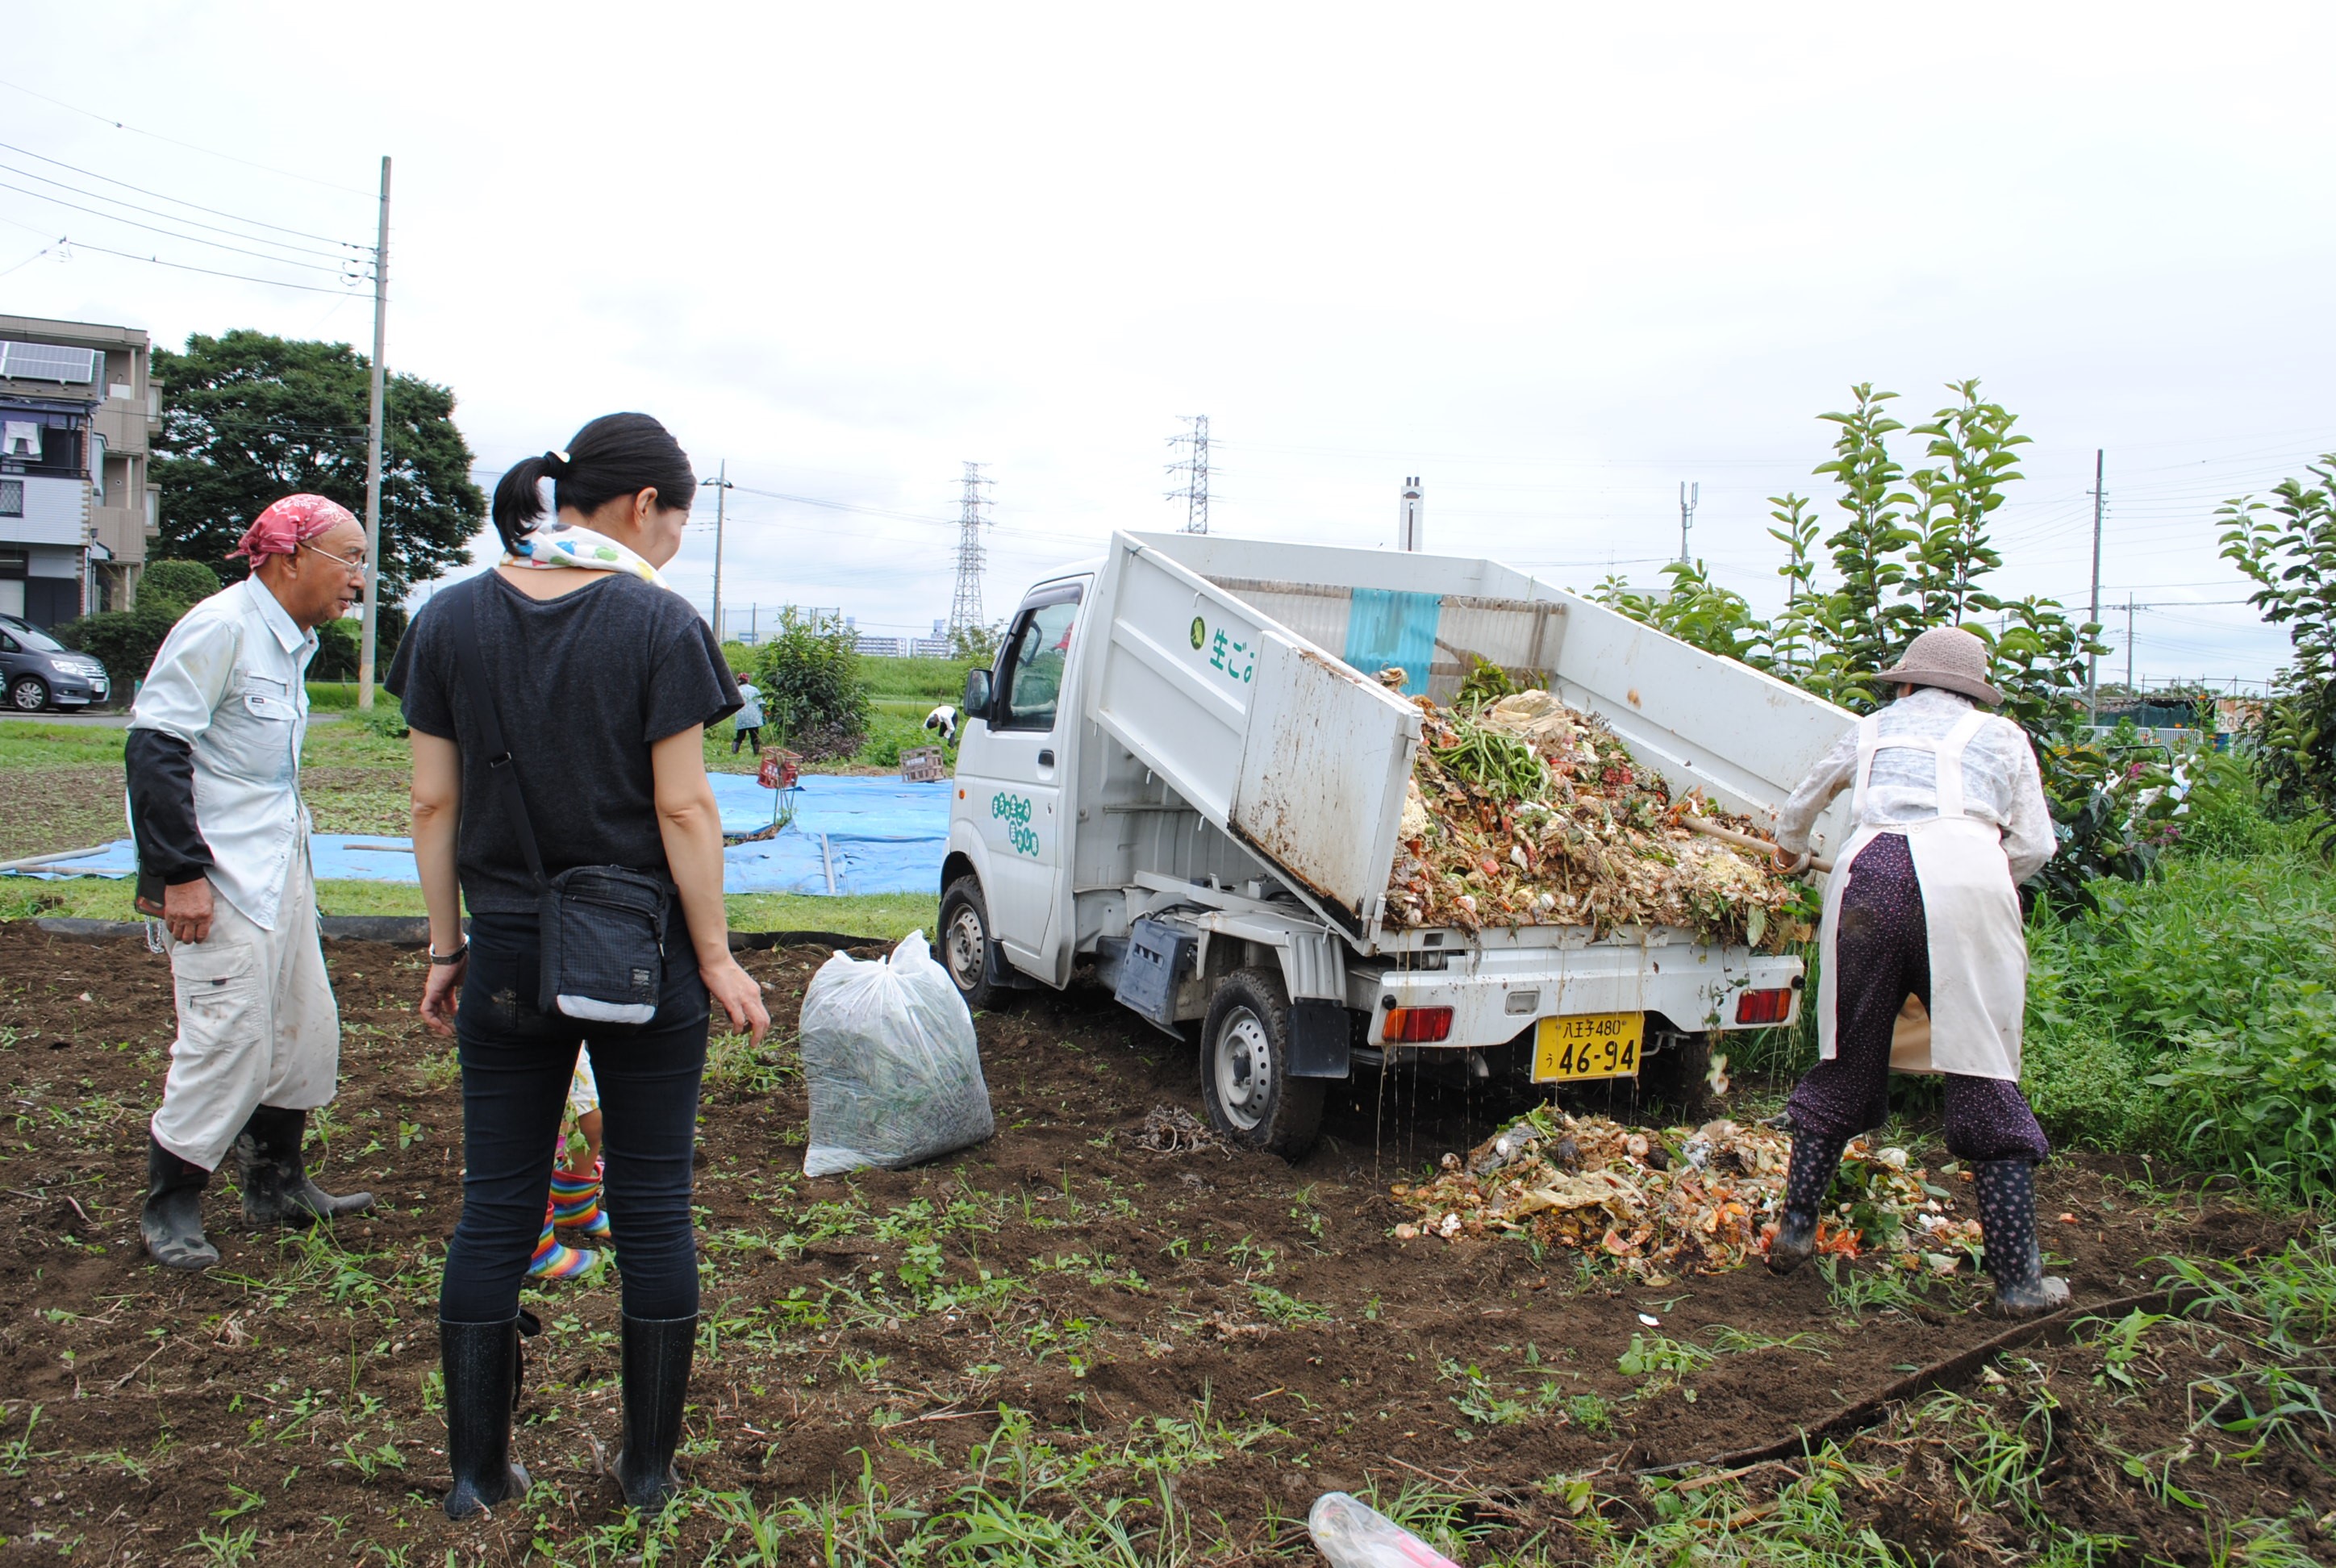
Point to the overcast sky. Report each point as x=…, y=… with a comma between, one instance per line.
x=1553, y=259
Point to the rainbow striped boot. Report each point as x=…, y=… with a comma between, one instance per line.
x=576, y=1203
x=554, y=1260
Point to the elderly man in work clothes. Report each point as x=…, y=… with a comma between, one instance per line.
x=1923, y=955
x=213, y=758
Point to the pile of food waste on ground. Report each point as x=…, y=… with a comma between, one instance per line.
x=1687, y=1200
x=1526, y=812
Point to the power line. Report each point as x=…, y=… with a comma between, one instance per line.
x=206, y=271
x=965, y=606
x=177, y=200
x=1195, y=468
x=190, y=146
x=167, y=233
x=191, y=222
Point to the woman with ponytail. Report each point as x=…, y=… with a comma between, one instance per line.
x=604, y=681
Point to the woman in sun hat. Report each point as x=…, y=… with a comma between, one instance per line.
x=1923, y=952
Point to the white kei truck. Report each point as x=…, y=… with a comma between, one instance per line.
x=1182, y=769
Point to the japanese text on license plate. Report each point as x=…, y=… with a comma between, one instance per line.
x=1587, y=1046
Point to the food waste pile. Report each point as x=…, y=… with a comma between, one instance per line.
x=1527, y=811
x=1687, y=1200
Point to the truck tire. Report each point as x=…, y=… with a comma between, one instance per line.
x=1677, y=1077
x=1245, y=1078
x=964, y=945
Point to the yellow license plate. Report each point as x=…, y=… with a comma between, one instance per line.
x=1587, y=1046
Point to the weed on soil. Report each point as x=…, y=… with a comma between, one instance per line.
x=1102, y=1335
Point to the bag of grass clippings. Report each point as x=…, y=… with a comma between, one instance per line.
x=890, y=1056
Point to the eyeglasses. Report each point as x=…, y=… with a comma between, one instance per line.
x=356, y=565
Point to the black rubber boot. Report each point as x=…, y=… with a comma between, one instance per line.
x=172, y=1222
x=482, y=1368
x=2007, y=1219
x=1815, y=1160
x=276, y=1190
x=656, y=1356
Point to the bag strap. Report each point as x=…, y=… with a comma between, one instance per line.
x=491, y=727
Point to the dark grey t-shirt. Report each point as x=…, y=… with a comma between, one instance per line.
x=585, y=685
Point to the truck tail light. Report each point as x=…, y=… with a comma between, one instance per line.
x=1416, y=1026
x=1765, y=1006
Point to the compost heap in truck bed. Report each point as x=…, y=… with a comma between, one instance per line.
x=1525, y=812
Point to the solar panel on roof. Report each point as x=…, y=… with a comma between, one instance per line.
x=48, y=362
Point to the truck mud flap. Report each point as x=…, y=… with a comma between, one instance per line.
x=1320, y=1043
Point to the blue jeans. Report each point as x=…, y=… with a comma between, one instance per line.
x=517, y=1062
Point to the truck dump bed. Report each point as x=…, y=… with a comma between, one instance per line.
x=1241, y=672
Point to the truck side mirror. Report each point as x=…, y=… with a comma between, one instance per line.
x=977, y=696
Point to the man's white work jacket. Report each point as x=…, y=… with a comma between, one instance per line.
x=231, y=681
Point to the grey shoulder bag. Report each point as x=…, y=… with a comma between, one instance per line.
x=603, y=927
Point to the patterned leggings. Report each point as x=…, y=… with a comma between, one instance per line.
x=1882, y=952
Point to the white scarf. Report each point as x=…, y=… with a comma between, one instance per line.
x=564, y=544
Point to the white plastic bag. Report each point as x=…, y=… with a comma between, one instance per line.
x=1353, y=1535
x=890, y=1056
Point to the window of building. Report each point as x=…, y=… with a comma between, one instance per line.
x=12, y=497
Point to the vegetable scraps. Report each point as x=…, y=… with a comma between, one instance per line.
x=1527, y=811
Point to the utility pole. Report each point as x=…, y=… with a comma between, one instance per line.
x=2093, y=660
x=1195, y=467
x=372, y=450
x=965, y=608
x=2128, y=648
x=1691, y=497
x=722, y=489
x=1411, y=526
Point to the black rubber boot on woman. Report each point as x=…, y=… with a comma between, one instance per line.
x=2007, y=1219
x=1815, y=1160
x=656, y=1356
x=482, y=1366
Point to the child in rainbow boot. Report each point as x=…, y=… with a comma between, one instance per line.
x=574, y=1207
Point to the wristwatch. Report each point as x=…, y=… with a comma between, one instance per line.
x=456, y=957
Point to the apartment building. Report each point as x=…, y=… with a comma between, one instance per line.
x=77, y=419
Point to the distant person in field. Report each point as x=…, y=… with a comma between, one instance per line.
x=213, y=759
x=605, y=681
x=1923, y=953
x=746, y=724
x=943, y=719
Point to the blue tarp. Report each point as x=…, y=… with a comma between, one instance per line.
x=875, y=835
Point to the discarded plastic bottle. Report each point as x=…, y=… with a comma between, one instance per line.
x=1354, y=1535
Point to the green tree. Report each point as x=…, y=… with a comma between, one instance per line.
x=977, y=643
x=2287, y=546
x=247, y=418
x=183, y=583
x=813, y=693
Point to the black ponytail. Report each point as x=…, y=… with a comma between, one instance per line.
x=616, y=454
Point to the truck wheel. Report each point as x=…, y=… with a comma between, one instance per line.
x=1679, y=1075
x=1245, y=1068
x=964, y=942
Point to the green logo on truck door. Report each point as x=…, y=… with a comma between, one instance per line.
x=1015, y=810
x=1235, y=660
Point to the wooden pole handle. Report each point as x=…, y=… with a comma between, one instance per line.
x=1744, y=841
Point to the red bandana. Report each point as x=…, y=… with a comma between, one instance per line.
x=287, y=523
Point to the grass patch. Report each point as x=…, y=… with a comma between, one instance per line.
x=30, y=746
x=880, y=917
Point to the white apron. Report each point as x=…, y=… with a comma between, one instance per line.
x=1978, y=945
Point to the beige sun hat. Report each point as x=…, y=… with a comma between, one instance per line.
x=1948, y=658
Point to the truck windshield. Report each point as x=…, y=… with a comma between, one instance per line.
x=1031, y=678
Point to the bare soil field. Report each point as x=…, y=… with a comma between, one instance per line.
x=1065, y=1331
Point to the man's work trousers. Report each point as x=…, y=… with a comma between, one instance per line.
x=257, y=1024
